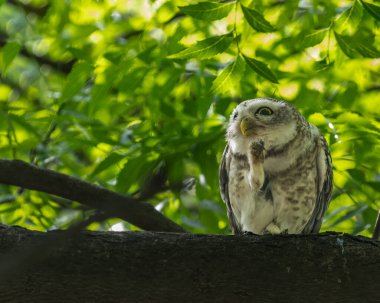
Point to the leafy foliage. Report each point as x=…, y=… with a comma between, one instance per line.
x=261, y=69
x=256, y=20
x=205, y=49
x=209, y=11
x=9, y=52
x=314, y=37
x=130, y=93
x=231, y=74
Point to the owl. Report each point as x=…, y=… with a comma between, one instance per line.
x=276, y=172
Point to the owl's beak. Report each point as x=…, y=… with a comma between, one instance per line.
x=247, y=126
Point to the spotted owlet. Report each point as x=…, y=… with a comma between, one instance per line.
x=276, y=172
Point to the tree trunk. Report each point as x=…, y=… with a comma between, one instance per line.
x=170, y=267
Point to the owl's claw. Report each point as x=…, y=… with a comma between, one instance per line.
x=272, y=229
x=256, y=160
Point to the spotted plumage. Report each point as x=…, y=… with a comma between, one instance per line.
x=276, y=172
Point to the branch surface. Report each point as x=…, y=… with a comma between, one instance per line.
x=169, y=267
x=140, y=214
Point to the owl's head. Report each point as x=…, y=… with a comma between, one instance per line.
x=274, y=122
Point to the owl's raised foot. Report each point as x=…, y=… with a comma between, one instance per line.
x=256, y=181
x=258, y=150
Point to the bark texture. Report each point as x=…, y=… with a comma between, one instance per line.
x=170, y=267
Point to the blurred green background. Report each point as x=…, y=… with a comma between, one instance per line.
x=115, y=91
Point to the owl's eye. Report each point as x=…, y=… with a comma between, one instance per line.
x=264, y=111
x=235, y=115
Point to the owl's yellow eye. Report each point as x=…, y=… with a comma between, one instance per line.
x=264, y=111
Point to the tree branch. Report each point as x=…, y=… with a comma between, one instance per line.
x=160, y=267
x=140, y=214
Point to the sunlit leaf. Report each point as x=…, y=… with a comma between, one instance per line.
x=24, y=124
x=209, y=11
x=256, y=20
x=360, y=228
x=232, y=73
x=357, y=174
x=107, y=162
x=335, y=212
x=367, y=51
x=352, y=48
x=8, y=54
x=133, y=173
x=261, y=68
x=78, y=53
x=132, y=79
x=205, y=48
x=372, y=9
x=345, y=44
x=374, y=185
x=314, y=38
x=349, y=20
x=76, y=79
x=358, y=209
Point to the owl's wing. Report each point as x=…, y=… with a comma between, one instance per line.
x=224, y=171
x=324, y=186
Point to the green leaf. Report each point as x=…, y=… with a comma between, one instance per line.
x=20, y=120
x=256, y=20
x=209, y=11
x=134, y=172
x=75, y=80
x=314, y=38
x=353, y=46
x=346, y=45
x=367, y=51
x=78, y=53
x=261, y=69
x=357, y=210
x=8, y=54
x=107, y=162
x=231, y=74
x=349, y=20
x=372, y=9
x=374, y=185
x=205, y=48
